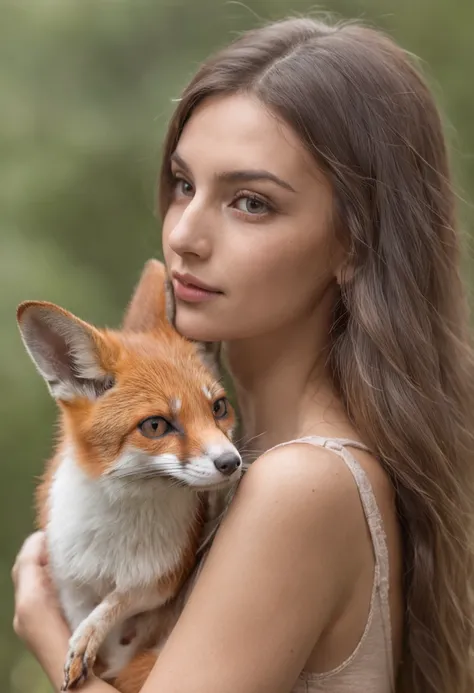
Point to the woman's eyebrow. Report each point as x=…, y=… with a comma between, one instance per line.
x=239, y=176
x=253, y=174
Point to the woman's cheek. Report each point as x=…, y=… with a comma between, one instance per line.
x=165, y=248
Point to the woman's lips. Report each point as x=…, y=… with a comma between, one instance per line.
x=190, y=293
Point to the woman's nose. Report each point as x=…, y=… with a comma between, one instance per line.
x=191, y=233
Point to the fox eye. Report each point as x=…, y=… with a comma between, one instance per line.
x=154, y=427
x=220, y=408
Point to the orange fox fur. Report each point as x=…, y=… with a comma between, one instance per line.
x=145, y=437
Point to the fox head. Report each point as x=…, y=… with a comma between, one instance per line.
x=137, y=403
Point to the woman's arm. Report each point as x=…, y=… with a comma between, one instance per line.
x=283, y=560
x=38, y=620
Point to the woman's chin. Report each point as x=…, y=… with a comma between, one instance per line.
x=198, y=329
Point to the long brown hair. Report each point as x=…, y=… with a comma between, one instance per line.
x=400, y=357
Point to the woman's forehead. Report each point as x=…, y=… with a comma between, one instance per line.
x=236, y=132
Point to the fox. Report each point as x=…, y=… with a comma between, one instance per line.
x=145, y=440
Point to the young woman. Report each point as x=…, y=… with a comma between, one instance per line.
x=309, y=226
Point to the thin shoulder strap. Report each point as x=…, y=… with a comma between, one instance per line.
x=374, y=520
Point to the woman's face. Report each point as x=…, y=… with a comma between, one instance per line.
x=250, y=218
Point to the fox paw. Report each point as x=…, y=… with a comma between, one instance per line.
x=79, y=663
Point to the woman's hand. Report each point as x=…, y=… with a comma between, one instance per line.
x=38, y=620
x=35, y=600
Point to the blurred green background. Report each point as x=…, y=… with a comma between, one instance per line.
x=86, y=88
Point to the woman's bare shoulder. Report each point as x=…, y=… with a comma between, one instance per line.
x=299, y=490
x=309, y=481
x=284, y=559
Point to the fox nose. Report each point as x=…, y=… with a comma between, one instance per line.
x=227, y=463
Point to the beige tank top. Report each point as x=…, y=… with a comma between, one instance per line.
x=369, y=669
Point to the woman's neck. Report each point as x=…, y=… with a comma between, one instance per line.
x=283, y=385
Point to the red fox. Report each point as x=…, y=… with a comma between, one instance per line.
x=145, y=433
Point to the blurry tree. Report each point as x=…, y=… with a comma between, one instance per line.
x=86, y=90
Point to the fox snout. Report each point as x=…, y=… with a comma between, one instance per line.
x=227, y=463
x=209, y=466
x=217, y=464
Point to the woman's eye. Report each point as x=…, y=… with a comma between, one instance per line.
x=252, y=205
x=154, y=427
x=182, y=187
x=220, y=408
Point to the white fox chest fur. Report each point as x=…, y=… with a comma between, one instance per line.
x=112, y=534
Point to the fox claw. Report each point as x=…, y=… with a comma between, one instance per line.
x=76, y=669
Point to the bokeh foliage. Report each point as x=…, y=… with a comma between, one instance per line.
x=86, y=88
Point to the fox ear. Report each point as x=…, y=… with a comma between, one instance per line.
x=67, y=352
x=152, y=303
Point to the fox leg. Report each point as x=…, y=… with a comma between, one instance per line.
x=142, y=633
x=91, y=632
x=134, y=675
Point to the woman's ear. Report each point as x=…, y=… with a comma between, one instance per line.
x=344, y=265
x=344, y=272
